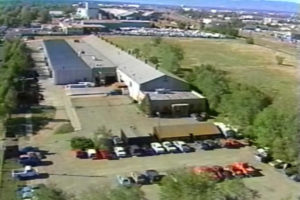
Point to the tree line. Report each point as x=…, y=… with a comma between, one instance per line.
x=253, y=112
x=16, y=62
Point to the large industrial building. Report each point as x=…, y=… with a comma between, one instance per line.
x=65, y=65
x=95, y=60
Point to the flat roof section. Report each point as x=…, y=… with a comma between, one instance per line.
x=62, y=56
x=137, y=70
x=91, y=56
x=184, y=130
x=173, y=95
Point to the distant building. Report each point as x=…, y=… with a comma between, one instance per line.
x=88, y=10
x=56, y=13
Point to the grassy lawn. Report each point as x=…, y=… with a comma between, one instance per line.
x=9, y=186
x=249, y=64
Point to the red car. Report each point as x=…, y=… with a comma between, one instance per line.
x=103, y=154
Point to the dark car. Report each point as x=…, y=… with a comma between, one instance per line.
x=153, y=175
x=139, y=178
x=135, y=150
x=147, y=150
x=29, y=161
x=81, y=154
x=28, y=149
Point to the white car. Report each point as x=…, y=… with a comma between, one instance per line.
x=120, y=152
x=157, y=147
x=169, y=146
x=87, y=84
x=124, y=181
x=182, y=146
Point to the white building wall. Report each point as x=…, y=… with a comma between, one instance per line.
x=133, y=87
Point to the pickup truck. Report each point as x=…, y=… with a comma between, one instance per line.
x=27, y=173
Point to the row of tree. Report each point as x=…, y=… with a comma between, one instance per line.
x=17, y=61
x=15, y=16
x=252, y=111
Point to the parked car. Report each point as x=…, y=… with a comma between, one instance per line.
x=152, y=175
x=28, y=149
x=263, y=155
x=103, y=154
x=81, y=154
x=27, y=173
x=91, y=153
x=124, y=181
x=29, y=161
x=231, y=143
x=169, y=147
x=117, y=141
x=148, y=151
x=157, y=147
x=120, y=152
x=139, y=178
x=182, y=146
x=278, y=164
x=135, y=150
x=295, y=177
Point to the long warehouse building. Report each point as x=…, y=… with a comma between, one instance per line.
x=65, y=65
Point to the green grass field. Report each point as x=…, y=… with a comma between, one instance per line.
x=253, y=65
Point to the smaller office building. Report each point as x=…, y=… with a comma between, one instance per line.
x=65, y=65
x=176, y=103
x=187, y=132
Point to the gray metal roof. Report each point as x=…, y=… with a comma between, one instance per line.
x=62, y=56
x=139, y=71
x=174, y=95
x=91, y=56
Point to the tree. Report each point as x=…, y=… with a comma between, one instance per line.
x=136, y=52
x=211, y=82
x=278, y=129
x=154, y=60
x=157, y=41
x=44, y=16
x=184, y=185
x=82, y=143
x=241, y=106
x=280, y=60
x=249, y=40
x=101, y=138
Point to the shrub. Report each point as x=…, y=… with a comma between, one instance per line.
x=280, y=60
x=250, y=40
x=82, y=143
x=64, y=128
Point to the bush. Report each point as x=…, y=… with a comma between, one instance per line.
x=280, y=60
x=82, y=143
x=250, y=40
x=64, y=128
